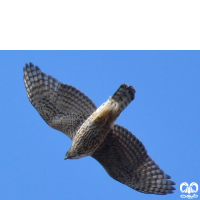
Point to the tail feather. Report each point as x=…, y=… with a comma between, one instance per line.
x=124, y=95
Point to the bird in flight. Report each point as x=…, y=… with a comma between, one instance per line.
x=93, y=130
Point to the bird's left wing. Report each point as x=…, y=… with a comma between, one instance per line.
x=62, y=106
x=126, y=160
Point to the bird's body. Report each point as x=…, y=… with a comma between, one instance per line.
x=95, y=129
x=93, y=132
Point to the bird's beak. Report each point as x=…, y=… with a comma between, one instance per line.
x=66, y=156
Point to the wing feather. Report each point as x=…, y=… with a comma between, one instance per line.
x=126, y=160
x=62, y=106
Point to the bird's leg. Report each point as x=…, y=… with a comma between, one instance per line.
x=102, y=114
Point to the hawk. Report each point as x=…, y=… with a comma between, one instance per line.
x=93, y=131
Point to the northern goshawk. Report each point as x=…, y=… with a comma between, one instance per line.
x=93, y=132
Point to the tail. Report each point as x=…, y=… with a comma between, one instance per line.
x=124, y=95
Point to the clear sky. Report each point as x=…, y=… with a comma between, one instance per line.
x=165, y=116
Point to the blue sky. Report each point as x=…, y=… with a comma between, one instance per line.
x=164, y=116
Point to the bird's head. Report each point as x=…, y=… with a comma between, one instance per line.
x=71, y=154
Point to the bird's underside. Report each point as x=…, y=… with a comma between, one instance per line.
x=68, y=110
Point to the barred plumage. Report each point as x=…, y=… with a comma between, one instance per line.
x=93, y=131
x=62, y=106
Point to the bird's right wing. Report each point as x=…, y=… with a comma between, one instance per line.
x=62, y=106
x=126, y=160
